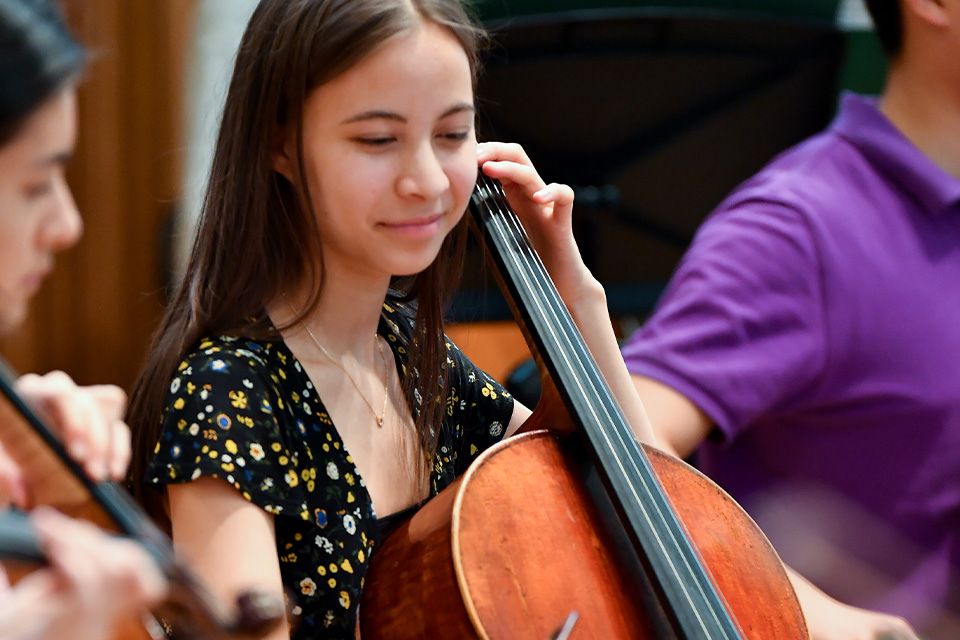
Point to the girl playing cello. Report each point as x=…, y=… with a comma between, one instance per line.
x=301, y=394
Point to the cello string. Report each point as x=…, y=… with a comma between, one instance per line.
x=511, y=239
x=535, y=276
x=675, y=534
x=537, y=273
x=564, y=322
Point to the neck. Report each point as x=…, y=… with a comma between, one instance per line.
x=344, y=321
x=919, y=103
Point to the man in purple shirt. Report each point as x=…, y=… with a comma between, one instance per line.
x=810, y=340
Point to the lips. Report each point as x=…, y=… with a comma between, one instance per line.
x=33, y=280
x=422, y=221
x=420, y=226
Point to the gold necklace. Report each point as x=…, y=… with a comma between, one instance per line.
x=386, y=372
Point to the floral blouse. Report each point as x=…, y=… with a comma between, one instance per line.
x=245, y=411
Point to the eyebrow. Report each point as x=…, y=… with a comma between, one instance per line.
x=377, y=114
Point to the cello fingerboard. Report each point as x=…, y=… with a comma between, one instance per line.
x=645, y=513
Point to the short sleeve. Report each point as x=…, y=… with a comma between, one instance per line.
x=479, y=407
x=740, y=329
x=223, y=420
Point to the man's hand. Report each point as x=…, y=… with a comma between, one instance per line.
x=828, y=619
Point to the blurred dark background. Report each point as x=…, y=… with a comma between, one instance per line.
x=651, y=110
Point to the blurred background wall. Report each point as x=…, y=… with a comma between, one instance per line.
x=148, y=115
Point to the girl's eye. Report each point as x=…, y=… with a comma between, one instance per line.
x=379, y=141
x=39, y=190
x=458, y=136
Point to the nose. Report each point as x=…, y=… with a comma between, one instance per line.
x=424, y=175
x=63, y=225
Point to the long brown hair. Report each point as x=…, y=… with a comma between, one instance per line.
x=290, y=47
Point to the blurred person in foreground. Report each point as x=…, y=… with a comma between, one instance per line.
x=91, y=580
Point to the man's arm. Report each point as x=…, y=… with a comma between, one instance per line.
x=679, y=426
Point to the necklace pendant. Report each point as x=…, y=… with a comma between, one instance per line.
x=380, y=423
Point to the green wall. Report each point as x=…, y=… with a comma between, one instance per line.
x=864, y=64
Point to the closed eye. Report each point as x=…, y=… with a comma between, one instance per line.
x=39, y=190
x=375, y=141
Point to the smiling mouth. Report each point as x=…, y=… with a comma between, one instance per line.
x=421, y=228
x=414, y=223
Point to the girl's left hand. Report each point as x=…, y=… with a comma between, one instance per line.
x=546, y=213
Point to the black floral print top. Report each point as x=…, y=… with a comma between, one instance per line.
x=246, y=412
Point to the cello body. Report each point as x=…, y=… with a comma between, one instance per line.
x=513, y=548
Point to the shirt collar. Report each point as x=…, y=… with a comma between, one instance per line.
x=861, y=122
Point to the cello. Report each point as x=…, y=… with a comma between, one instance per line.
x=56, y=479
x=593, y=537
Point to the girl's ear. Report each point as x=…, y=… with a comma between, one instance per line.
x=281, y=153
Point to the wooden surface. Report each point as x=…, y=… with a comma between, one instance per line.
x=528, y=556
x=524, y=556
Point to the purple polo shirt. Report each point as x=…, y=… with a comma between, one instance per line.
x=816, y=320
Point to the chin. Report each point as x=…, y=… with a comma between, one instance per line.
x=412, y=264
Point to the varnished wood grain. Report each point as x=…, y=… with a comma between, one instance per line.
x=514, y=547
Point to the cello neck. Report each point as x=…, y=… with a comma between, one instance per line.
x=18, y=541
x=643, y=508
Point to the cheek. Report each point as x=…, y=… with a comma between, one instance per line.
x=350, y=183
x=17, y=232
x=13, y=259
x=15, y=236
